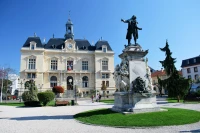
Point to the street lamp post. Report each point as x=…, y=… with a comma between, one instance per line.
x=2, y=83
x=75, y=98
x=20, y=94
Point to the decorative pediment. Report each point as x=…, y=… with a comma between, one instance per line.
x=85, y=59
x=32, y=57
x=70, y=58
x=105, y=58
x=55, y=57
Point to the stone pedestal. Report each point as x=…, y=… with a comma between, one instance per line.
x=127, y=102
x=133, y=80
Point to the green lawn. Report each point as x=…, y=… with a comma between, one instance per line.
x=108, y=101
x=13, y=104
x=107, y=117
x=173, y=100
x=21, y=104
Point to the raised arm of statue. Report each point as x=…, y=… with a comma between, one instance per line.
x=125, y=21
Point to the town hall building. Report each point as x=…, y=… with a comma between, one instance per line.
x=68, y=62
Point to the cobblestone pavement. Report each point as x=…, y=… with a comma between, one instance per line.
x=60, y=120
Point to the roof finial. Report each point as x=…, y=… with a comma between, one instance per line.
x=53, y=35
x=35, y=34
x=69, y=15
x=44, y=40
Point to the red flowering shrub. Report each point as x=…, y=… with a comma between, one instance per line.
x=58, y=89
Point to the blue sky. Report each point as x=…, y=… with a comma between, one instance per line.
x=178, y=21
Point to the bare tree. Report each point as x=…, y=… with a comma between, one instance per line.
x=4, y=75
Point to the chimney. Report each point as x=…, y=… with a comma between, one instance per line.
x=161, y=69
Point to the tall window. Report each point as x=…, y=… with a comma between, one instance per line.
x=195, y=69
x=85, y=81
x=69, y=65
x=107, y=83
x=188, y=70
x=104, y=65
x=196, y=76
x=31, y=75
x=103, y=83
x=53, y=81
x=189, y=76
x=105, y=75
x=54, y=64
x=31, y=63
x=84, y=65
x=188, y=62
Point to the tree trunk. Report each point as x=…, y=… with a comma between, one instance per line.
x=178, y=98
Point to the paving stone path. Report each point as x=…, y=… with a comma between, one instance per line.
x=60, y=120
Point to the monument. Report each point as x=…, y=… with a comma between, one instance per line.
x=132, y=76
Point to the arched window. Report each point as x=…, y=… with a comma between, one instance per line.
x=85, y=81
x=53, y=81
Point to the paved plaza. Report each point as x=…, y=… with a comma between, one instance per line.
x=60, y=120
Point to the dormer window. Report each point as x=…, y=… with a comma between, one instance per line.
x=194, y=60
x=32, y=47
x=188, y=62
x=104, y=48
x=53, y=46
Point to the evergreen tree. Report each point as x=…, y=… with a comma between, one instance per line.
x=176, y=85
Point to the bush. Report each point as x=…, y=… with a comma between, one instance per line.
x=45, y=97
x=29, y=96
x=58, y=89
x=32, y=103
x=198, y=93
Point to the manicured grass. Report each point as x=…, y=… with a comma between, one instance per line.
x=52, y=103
x=173, y=100
x=108, y=101
x=13, y=104
x=21, y=104
x=107, y=117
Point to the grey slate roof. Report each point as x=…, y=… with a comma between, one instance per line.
x=102, y=42
x=191, y=61
x=57, y=43
x=35, y=39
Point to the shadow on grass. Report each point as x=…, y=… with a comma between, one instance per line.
x=191, y=131
x=28, y=106
x=42, y=117
x=95, y=112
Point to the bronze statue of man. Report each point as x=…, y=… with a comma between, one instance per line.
x=132, y=29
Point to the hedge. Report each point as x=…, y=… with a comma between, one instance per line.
x=45, y=97
x=58, y=89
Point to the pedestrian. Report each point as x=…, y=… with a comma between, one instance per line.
x=92, y=98
x=97, y=98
